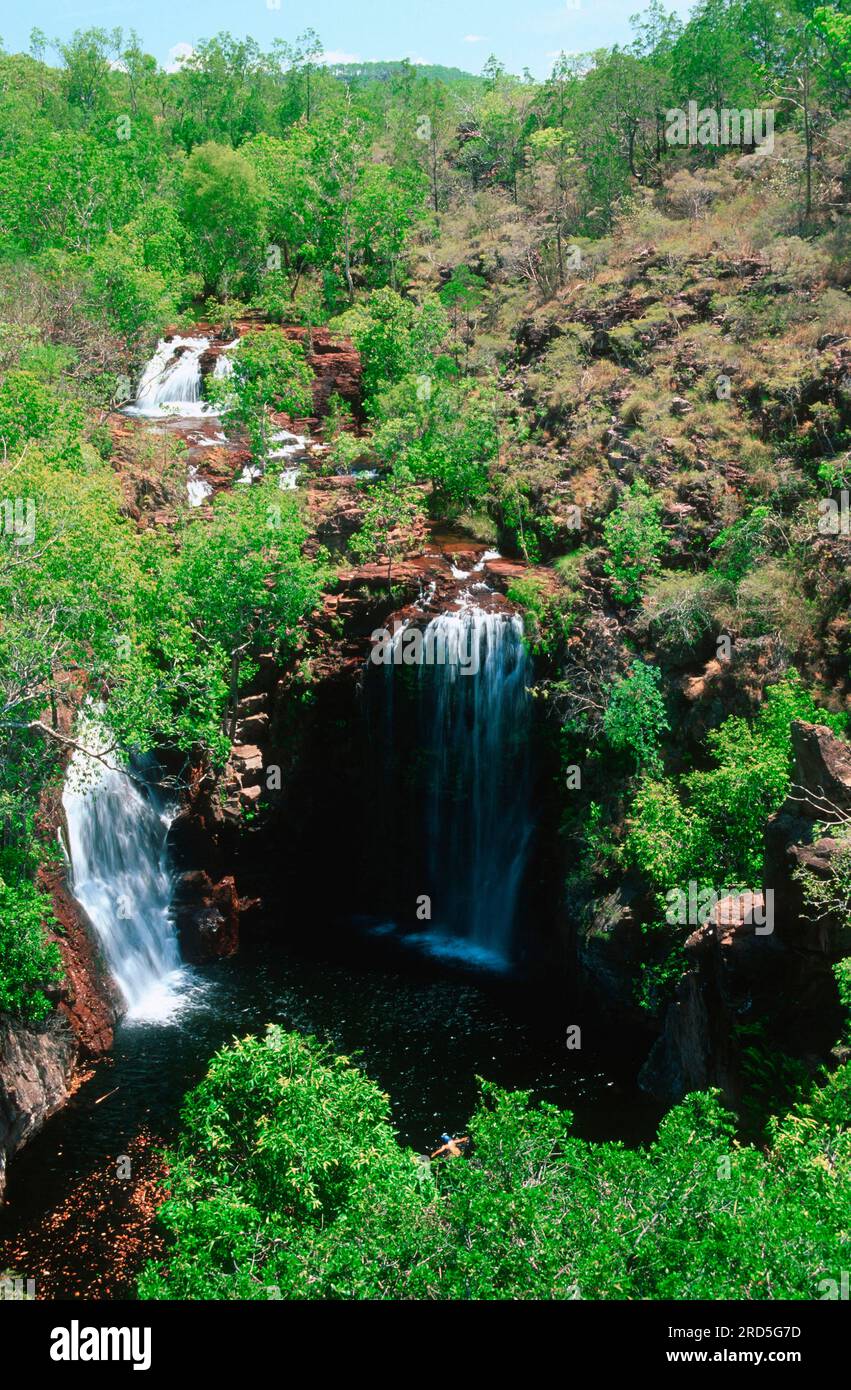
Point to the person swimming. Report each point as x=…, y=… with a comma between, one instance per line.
x=451, y=1148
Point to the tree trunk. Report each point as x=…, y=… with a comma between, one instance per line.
x=234, y=694
x=350, y=285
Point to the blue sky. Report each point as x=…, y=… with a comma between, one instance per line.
x=460, y=33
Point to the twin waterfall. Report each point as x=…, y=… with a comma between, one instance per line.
x=119, y=874
x=456, y=809
x=455, y=796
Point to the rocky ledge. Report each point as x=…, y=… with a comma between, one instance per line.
x=762, y=956
x=40, y=1063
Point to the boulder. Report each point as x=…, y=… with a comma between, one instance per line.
x=37, y=1065
x=206, y=916
x=821, y=784
x=610, y=947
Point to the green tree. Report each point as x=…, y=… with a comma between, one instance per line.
x=29, y=963
x=245, y=579
x=635, y=540
x=443, y=432
x=270, y=373
x=395, y=338
x=635, y=717
x=392, y=510
x=222, y=208
x=287, y=1182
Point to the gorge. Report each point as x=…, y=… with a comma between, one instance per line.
x=425, y=788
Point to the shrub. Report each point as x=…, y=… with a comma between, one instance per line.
x=635, y=717
x=678, y=609
x=714, y=836
x=546, y=615
x=28, y=961
x=287, y=1182
x=635, y=540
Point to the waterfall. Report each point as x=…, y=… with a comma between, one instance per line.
x=171, y=382
x=197, y=489
x=223, y=368
x=465, y=711
x=117, y=832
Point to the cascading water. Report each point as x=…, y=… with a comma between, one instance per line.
x=223, y=368
x=197, y=489
x=117, y=831
x=475, y=717
x=171, y=382
x=460, y=734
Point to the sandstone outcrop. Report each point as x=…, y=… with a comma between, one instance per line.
x=36, y=1069
x=39, y=1063
x=206, y=915
x=762, y=955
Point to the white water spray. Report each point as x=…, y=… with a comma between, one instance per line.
x=468, y=716
x=171, y=382
x=117, y=831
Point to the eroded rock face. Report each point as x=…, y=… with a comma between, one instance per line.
x=761, y=956
x=206, y=915
x=336, y=365
x=735, y=971
x=36, y=1069
x=88, y=998
x=610, y=947
x=732, y=686
x=799, y=837
x=682, y=1060
x=822, y=778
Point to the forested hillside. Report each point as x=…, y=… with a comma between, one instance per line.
x=596, y=326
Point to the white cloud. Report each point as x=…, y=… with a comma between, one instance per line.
x=474, y=38
x=336, y=55
x=177, y=56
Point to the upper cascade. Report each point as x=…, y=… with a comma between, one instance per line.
x=171, y=382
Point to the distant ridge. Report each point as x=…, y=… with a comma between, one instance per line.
x=384, y=70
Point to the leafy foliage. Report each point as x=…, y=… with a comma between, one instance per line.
x=270, y=373
x=635, y=540
x=287, y=1182
x=713, y=833
x=635, y=717
x=28, y=962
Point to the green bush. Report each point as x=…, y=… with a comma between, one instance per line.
x=547, y=620
x=28, y=961
x=635, y=540
x=287, y=1182
x=635, y=717
x=711, y=829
